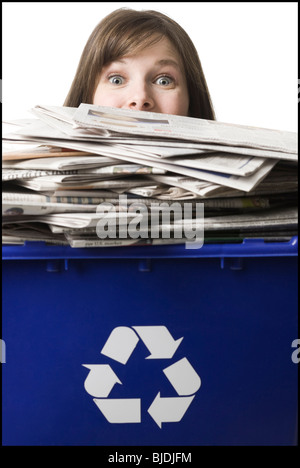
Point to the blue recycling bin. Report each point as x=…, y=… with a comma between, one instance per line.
x=150, y=346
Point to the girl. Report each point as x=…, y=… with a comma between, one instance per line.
x=141, y=60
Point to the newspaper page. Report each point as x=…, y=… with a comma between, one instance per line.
x=48, y=183
x=100, y=164
x=188, y=128
x=37, y=208
x=14, y=174
x=205, y=147
x=72, y=220
x=77, y=198
x=218, y=162
x=158, y=147
x=149, y=136
x=21, y=233
x=237, y=182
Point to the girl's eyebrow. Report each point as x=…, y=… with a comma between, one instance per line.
x=168, y=62
x=161, y=62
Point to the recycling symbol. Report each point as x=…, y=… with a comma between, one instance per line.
x=119, y=347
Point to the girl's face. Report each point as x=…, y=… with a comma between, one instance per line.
x=152, y=80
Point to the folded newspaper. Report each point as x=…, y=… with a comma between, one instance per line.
x=98, y=176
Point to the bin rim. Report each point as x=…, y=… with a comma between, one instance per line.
x=247, y=248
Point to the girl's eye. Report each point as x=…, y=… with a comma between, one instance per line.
x=116, y=79
x=164, y=80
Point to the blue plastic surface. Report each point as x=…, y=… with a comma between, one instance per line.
x=235, y=306
x=247, y=248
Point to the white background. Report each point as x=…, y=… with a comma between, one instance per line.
x=248, y=52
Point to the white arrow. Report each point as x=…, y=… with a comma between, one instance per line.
x=100, y=380
x=159, y=341
x=169, y=409
x=124, y=410
x=183, y=377
x=120, y=344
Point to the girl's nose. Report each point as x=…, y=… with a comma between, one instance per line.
x=140, y=99
x=140, y=104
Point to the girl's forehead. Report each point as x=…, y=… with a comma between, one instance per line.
x=157, y=42
x=160, y=47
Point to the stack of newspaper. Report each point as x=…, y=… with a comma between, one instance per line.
x=99, y=176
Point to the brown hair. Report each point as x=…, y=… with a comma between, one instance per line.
x=127, y=31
